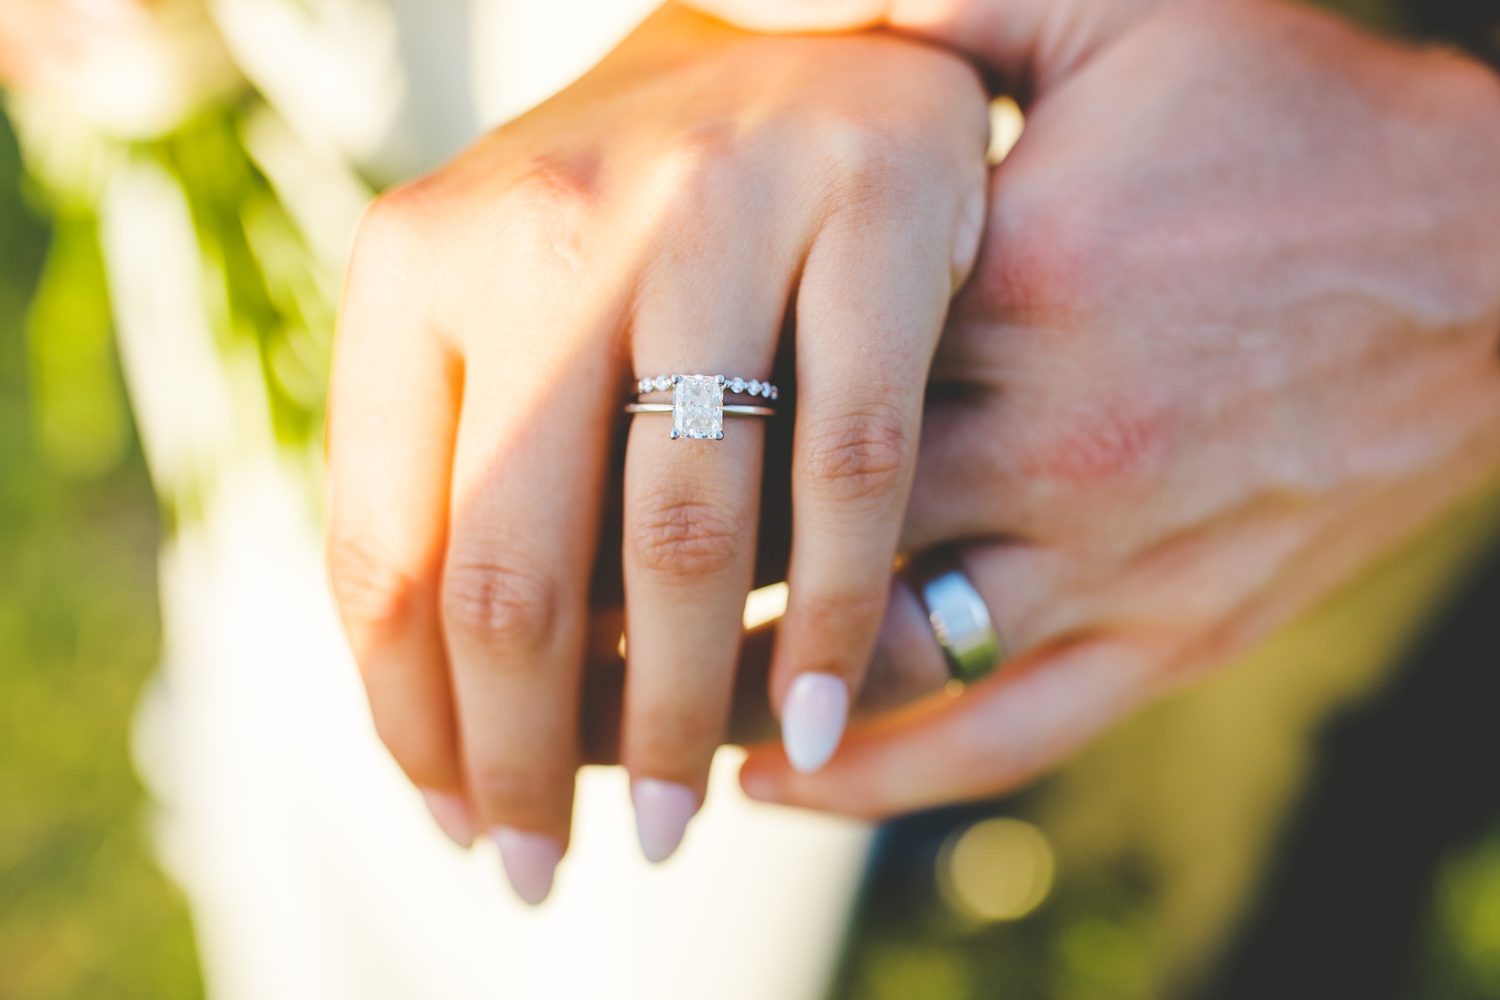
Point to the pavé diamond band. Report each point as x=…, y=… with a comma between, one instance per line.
x=753, y=386
x=698, y=407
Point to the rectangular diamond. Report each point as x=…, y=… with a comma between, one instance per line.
x=698, y=407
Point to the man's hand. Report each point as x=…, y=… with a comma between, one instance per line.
x=1232, y=336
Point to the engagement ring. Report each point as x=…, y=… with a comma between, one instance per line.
x=698, y=407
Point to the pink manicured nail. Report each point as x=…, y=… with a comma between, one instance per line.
x=530, y=859
x=662, y=813
x=812, y=720
x=452, y=816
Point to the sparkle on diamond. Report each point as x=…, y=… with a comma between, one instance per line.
x=698, y=407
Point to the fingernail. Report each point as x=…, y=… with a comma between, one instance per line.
x=530, y=859
x=452, y=816
x=812, y=720
x=662, y=813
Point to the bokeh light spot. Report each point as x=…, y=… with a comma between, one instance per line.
x=1006, y=125
x=996, y=869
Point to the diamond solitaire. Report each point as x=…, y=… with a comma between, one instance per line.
x=698, y=407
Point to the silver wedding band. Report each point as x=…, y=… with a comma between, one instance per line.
x=730, y=409
x=961, y=623
x=698, y=408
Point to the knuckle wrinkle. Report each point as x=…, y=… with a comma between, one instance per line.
x=683, y=536
x=372, y=592
x=500, y=606
x=1111, y=445
x=864, y=456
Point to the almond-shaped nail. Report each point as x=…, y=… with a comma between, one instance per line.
x=452, y=816
x=662, y=812
x=813, y=718
x=530, y=859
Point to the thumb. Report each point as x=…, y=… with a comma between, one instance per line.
x=1029, y=45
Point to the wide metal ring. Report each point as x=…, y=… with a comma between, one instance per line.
x=698, y=409
x=961, y=623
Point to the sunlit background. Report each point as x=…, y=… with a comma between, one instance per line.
x=176, y=195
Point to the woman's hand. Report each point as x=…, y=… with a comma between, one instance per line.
x=668, y=213
x=1231, y=337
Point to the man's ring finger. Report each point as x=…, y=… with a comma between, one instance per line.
x=960, y=622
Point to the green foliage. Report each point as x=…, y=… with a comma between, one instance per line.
x=1463, y=930
x=84, y=912
x=1093, y=939
x=79, y=412
x=266, y=286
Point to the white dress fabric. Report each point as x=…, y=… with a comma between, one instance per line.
x=313, y=870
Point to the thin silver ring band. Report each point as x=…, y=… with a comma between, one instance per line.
x=962, y=625
x=730, y=408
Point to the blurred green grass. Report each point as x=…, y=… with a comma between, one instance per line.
x=84, y=911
